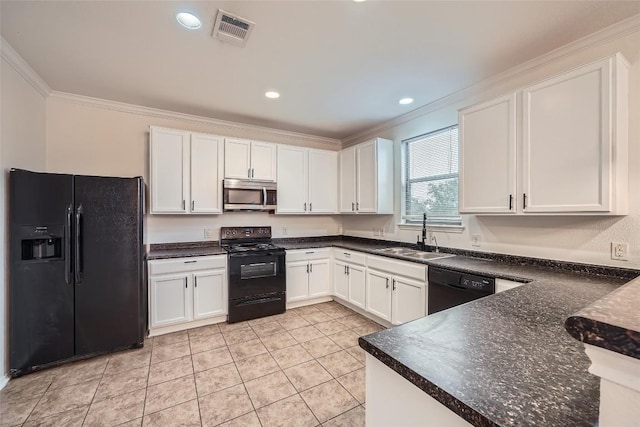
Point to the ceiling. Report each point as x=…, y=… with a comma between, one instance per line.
x=340, y=66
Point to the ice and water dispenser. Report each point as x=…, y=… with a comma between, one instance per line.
x=41, y=243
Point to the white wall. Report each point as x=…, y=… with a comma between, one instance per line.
x=22, y=145
x=578, y=239
x=86, y=138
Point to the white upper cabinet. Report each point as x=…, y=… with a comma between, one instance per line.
x=186, y=172
x=571, y=157
x=249, y=160
x=323, y=182
x=348, y=180
x=366, y=178
x=488, y=157
x=307, y=180
x=207, y=161
x=574, y=140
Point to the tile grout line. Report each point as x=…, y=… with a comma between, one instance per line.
x=38, y=402
x=195, y=382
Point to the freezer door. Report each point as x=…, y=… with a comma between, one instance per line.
x=108, y=265
x=40, y=286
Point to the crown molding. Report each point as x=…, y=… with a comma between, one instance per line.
x=172, y=115
x=612, y=32
x=16, y=61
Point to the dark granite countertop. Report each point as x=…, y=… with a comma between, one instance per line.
x=183, y=250
x=612, y=322
x=504, y=360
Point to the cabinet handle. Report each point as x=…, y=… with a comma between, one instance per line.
x=193, y=205
x=510, y=201
x=348, y=270
x=191, y=262
x=185, y=284
x=310, y=252
x=353, y=206
x=195, y=282
x=310, y=268
x=252, y=172
x=307, y=268
x=183, y=205
x=387, y=283
x=524, y=201
x=249, y=173
x=357, y=206
x=394, y=284
x=305, y=206
x=347, y=254
x=310, y=207
x=345, y=269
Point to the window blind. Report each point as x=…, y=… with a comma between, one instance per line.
x=430, y=165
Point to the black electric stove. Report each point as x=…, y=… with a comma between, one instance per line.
x=257, y=280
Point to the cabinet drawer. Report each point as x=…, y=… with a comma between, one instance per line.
x=308, y=254
x=175, y=265
x=400, y=268
x=350, y=256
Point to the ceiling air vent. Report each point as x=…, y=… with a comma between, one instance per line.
x=232, y=28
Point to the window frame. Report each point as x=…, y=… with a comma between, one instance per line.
x=441, y=221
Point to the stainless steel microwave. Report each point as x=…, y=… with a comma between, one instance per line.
x=249, y=195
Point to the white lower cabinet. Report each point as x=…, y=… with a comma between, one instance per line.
x=169, y=300
x=349, y=276
x=185, y=290
x=396, y=290
x=308, y=274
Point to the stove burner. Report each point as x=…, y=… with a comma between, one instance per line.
x=248, y=247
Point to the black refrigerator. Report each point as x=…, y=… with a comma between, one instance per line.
x=77, y=283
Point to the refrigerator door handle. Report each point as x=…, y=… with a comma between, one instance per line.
x=78, y=245
x=67, y=245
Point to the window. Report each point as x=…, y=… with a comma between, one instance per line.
x=430, y=165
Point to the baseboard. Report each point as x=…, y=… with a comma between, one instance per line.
x=308, y=302
x=4, y=380
x=187, y=325
x=362, y=312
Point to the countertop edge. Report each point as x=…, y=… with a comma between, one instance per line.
x=452, y=403
x=604, y=335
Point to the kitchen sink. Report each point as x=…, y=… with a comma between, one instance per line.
x=412, y=253
x=396, y=251
x=428, y=255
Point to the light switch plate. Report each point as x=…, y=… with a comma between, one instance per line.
x=475, y=240
x=208, y=233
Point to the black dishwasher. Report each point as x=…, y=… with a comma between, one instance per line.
x=448, y=288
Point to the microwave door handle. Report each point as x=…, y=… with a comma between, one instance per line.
x=264, y=196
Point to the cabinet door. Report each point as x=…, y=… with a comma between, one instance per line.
x=379, y=294
x=340, y=280
x=297, y=281
x=169, y=300
x=319, y=278
x=206, y=178
x=209, y=293
x=292, y=179
x=488, y=157
x=348, y=180
x=366, y=178
x=357, y=285
x=409, y=300
x=323, y=181
x=566, y=142
x=169, y=152
x=237, y=158
x=263, y=161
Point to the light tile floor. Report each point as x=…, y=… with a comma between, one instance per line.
x=300, y=368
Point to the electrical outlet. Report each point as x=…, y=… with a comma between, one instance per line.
x=620, y=251
x=285, y=232
x=208, y=233
x=381, y=232
x=475, y=240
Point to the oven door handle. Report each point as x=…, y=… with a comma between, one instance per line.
x=462, y=288
x=246, y=254
x=264, y=196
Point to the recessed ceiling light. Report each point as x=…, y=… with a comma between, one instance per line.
x=405, y=101
x=188, y=20
x=272, y=94
x=359, y=1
